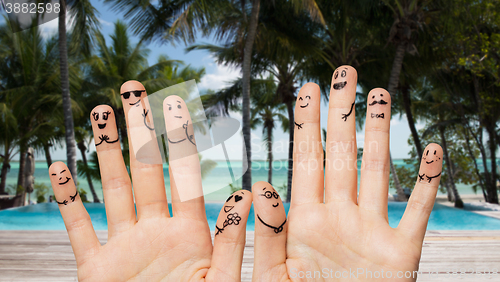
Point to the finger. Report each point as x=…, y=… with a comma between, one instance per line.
x=145, y=159
x=270, y=230
x=375, y=165
x=230, y=235
x=307, y=180
x=184, y=163
x=341, y=151
x=76, y=219
x=116, y=187
x=418, y=210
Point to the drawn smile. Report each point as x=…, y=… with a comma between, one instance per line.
x=429, y=162
x=277, y=204
x=339, y=85
x=133, y=104
x=101, y=126
x=177, y=116
x=305, y=105
x=67, y=180
x=175, y=142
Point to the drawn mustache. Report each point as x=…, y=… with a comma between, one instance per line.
x=381, y=102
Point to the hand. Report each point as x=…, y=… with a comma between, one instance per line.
x=152, y=246
x=331, y=233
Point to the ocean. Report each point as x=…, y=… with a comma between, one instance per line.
x=215, y=184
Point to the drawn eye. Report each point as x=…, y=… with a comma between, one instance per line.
x=126, y=95
x=336, y=75
x=137, y=93
x=170, y=108
x=434, y=152
x=300, y=99
x=178, y=106
x=427, y=153
x=381, y=95
x=105, y=115
x=308, y=97
x=96, y=116
x=373, y=97
x=343, y=74
x=268, y=194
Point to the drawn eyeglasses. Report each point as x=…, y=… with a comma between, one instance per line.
x=137, y=93
x=269, y=195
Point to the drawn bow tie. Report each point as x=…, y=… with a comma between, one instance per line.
x=378, y=115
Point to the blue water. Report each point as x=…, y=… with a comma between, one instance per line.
x=46, y=216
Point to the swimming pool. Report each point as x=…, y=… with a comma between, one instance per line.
x=46, y=216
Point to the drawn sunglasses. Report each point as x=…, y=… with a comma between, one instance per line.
x=269, y=195
x=137, y=93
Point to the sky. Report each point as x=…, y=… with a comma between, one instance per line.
x=219, y=76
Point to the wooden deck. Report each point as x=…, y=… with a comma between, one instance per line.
x=47, y=255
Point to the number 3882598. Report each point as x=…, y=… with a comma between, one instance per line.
x=32, y=8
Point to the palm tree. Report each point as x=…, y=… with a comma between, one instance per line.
x=409, y=17
x=285, y=47
x=86, y=24
x=227, y=20
x=116, y=63
x=83, y=139
x=266, y=110
x=27, y=89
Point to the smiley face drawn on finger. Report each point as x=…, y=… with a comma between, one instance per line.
x=64, y=177
x=342, y=73
x=175, y=110
x=104, y=117
x=136, y=93
x=429, y=158
x=101, y=116
x=374, y=100
x=227, y=206
x=432, y=158
x=270, y=194
x=232, y=218
x=307, y=98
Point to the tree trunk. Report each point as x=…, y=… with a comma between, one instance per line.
x=490, y=183
x=247, y=60
x=291, y=127
x=393, y=84
x=492, y=148
x=270, y=154
x=20, y=176
x=82, y=148
x=401, y=193
x=449, y=192
x=411, y=122
x=476, y=168
x=5, y=170
x=66, y=98
x=48, y=158
x=458, y=201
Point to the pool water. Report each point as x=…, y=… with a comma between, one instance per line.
x=46, y=216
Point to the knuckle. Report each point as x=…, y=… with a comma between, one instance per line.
x=116, y=183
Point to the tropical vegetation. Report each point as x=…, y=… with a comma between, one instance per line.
x=438, y=59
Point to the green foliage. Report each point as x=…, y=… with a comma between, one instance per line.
x=233, y=188
x=40, y=189
x=83, y=195
x=12, y=189
x=282, y=190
